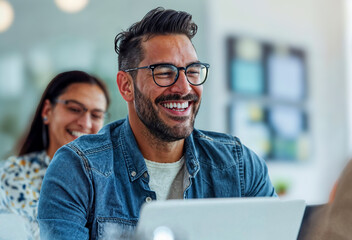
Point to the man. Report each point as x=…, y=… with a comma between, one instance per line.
x=95, y=187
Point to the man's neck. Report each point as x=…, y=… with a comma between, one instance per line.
x=162, y=152
x=157, y=150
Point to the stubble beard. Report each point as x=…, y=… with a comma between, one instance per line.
x=156, y=126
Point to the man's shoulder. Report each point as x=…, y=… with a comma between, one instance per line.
x=92, y=147
x=105, y=139
x=94, y=151
x=223, y=142
x=216, y=137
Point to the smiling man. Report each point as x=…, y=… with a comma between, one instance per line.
x=153, y=154
x=164, y=98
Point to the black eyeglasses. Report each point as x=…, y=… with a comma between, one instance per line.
x=166, y=74
x=77, y=108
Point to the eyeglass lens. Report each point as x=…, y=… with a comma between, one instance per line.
x=79, y=110
x=165, y=75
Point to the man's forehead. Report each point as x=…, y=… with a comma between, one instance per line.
x=159, y=46
x=160, y=38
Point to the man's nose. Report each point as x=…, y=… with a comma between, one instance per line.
x=181, y=85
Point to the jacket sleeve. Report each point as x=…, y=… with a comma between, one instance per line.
x=65, y=197
x=256, y=177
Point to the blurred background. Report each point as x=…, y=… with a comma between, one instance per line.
x=280, y=76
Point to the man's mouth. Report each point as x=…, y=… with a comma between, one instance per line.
x=176, y=102
x=176, y=106
x=76, y=133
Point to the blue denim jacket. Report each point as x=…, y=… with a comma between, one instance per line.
x=95, y=186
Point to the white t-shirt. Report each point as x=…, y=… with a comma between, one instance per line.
x=166, y=179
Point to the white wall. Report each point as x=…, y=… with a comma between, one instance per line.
x=317, y=26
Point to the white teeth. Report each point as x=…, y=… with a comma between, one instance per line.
x=77, y=134
x=178, y=106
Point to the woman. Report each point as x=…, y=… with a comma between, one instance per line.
x=73, y=104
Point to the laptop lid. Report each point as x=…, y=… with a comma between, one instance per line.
x=221, y=218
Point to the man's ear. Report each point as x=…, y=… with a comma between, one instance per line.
x=125, y=84
x=46, y=111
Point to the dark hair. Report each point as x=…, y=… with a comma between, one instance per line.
x=156, y=22
x=37, y=138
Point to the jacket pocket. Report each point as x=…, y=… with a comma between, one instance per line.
x=110, y=228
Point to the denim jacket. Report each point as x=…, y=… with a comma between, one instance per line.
x=95, y=186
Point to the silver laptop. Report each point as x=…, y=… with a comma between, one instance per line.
x=221, y=218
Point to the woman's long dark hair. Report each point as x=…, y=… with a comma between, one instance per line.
x=37, y=138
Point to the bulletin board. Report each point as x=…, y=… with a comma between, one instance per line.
x=267, y=111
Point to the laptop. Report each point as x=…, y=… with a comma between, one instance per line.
x=221, y=218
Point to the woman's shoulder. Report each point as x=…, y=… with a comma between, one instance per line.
x=20, y=181
x=27, y=164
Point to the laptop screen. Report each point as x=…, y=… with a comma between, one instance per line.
x=221, y=218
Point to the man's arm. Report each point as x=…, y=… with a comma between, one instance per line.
x=65, y=198
x=257, y=181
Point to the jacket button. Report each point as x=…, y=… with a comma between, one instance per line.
x=148, y=199
x=145, y=175
x=133, y=173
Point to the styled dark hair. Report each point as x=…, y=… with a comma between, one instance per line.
x=156, y=22
x=37, y=138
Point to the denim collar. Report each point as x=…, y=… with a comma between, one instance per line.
x=134, y=159
x=191, y=156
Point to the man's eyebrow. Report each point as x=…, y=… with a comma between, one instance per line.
x=197, y=61
x=166, y=63
x=169, y=63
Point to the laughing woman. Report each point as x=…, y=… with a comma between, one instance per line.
x=73, y=104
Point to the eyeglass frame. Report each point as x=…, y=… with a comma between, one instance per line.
x=153, y=66
x=85, y=109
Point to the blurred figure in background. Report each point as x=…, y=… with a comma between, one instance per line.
x=334, y=219
x=339, y=216
x=73, y=104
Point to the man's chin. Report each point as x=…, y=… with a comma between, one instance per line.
x=180, y=119
x=182, y=132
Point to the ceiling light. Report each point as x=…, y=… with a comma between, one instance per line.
x=6, y=15
x=71, y=6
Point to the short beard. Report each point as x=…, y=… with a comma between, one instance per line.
x=156, y=126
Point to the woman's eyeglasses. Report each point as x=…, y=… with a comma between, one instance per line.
x=79, y=109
